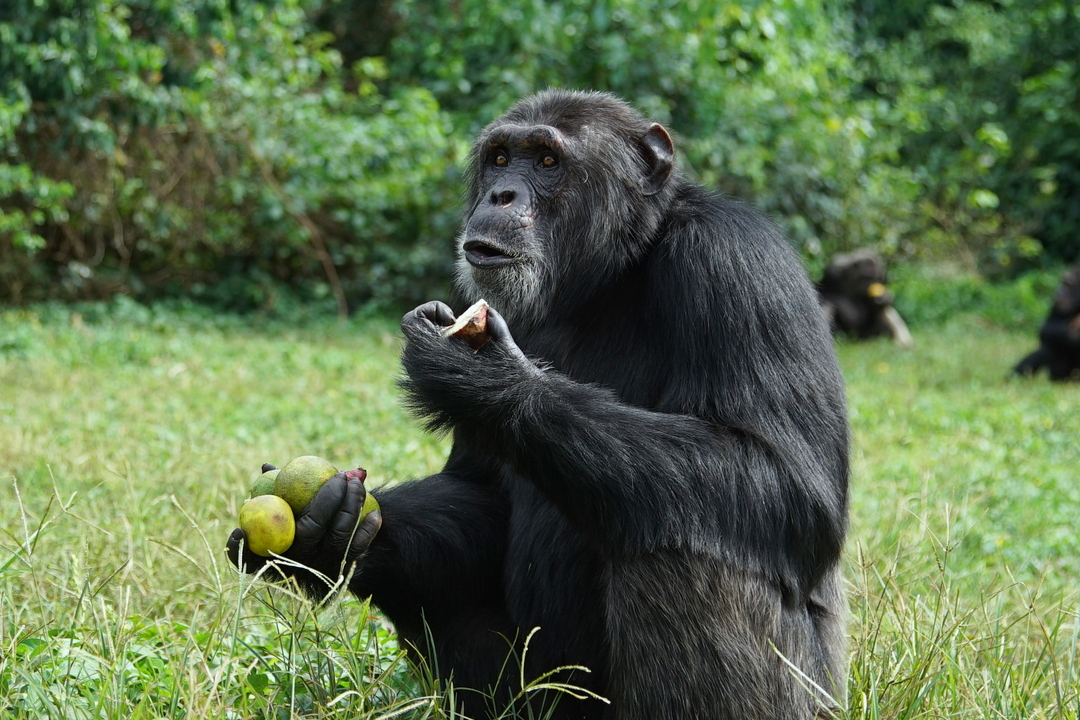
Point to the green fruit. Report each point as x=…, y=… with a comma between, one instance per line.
x=264, y=484
x=267, y=520
x=370, y=503
x=301, y=478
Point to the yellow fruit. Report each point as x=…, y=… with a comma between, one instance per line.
x=370, y=503
x=301, y=478
x=875, y=290
x=264, y=484
x=267, y=520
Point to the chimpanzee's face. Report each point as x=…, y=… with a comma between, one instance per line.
x=505, y=254
x=563, y=196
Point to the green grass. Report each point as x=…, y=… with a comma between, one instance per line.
x=128, y=439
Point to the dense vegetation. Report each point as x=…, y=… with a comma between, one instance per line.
x=253, y=152
x=129, y=434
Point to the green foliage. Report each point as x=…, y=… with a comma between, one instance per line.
x=213, y=141
x=257, y=154
x=41, y=199
x=934, y=295
x=990, y=101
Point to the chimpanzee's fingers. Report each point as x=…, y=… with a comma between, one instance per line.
x=438, y=313
x=340, y=531
x=365, y=533
x=267, y=467
x=497, y=327
x=236, y=549
x=427, y=318
x=315, y=519
x=500, y=333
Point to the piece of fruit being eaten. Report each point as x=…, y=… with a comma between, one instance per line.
x=471, y=325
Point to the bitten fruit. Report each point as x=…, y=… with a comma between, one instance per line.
x=471, y=325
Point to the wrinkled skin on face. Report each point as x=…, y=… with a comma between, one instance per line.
x=538, y=225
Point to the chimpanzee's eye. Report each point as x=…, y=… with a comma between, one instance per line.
x=501, y=159
x=549, y=160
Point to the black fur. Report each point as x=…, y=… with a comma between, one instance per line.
x=653, y=469
x=1059, y=337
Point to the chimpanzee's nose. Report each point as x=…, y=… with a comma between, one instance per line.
x=503, y=197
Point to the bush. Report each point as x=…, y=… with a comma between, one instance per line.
x=935, y=294
x=261, y=153
x=211, y=148
x=989, y=95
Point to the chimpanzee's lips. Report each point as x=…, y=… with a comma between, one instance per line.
x=484, y=255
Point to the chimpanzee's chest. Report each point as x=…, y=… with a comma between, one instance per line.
x=553, y=581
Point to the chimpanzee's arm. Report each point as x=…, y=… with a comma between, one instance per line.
x=631, y=478
x=1032, y=362
x=439, y=554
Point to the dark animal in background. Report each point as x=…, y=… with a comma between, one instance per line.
x=856, y=300
x=652, y=469
x=1059, y=337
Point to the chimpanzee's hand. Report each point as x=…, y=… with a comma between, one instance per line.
x=449, y=382
x=328, y=537
x=423, y=329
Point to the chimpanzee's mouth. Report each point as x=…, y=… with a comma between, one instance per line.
x=484, y=255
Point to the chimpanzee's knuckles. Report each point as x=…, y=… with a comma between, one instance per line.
x=365, y=533
x=343, y=527
x=497, y=327
x=425, y=321
x=317, y=518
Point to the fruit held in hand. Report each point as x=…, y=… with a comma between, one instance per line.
x=267, y=520
x=471, y=325
x=264, y=484
x=301, y=478
x=370, y=503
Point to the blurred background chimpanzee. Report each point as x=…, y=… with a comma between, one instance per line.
x=856, y=300
x=650, y=458
x=1059, y=337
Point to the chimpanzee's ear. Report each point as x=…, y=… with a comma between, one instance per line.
x=659, y=153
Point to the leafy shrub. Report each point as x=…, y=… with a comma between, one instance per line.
x=260, y=154
x=935, y=294
x=989, y=95
x=211, y=148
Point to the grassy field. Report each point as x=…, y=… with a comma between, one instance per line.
x=128, y=439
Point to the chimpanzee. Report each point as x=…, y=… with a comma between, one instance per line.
x=856, y=301
x=1059, y=338
x=651, y=469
